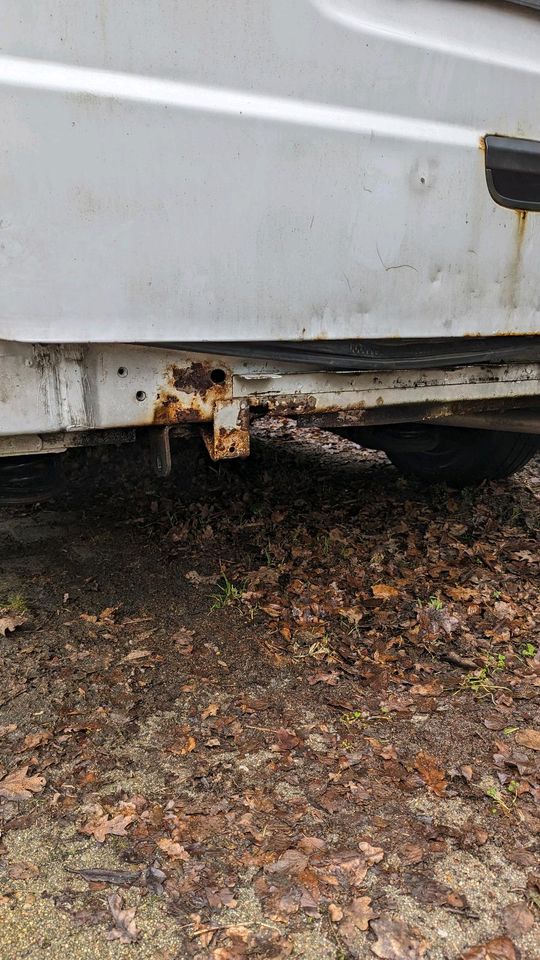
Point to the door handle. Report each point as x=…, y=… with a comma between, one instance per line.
x=513, y=172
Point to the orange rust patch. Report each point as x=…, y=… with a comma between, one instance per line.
x=169, y=409
x=514, y=275
x=193, y=379
x=522, y=222
x=189, y=394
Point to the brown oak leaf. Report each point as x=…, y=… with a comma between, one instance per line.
x=33, y=740
x=382, y=591
x=210, y=711
x=356, y=917
x=528, y=738
x=17, y=785
x=10, y=623
x=23, y=870
x=432, y=775
x=136, y=655
x=395, y=941
x=517, y=919
x=290, y=862
x=104, y=826
x=500, y=948
x=173, y=849
x=124, y=928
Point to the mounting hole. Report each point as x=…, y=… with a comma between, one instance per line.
x=122, y=371
x=218, y=376
x=140, y=395
x=232, y=448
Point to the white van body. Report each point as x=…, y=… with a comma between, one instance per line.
x=196, y=174
x=263, y=169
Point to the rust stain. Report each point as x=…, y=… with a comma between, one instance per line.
x=522, y=221
x=193, y=379
x=514, y=275
x=298, y=406
x=501, y=333
x=230, y=443
x=190, y=393
x=284, y=405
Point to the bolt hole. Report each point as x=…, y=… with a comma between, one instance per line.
x=140, y=395
x=232, y=448
x=122, y=371
x=218, y=376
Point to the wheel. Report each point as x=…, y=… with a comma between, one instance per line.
x=30, y=479
x=459, y=457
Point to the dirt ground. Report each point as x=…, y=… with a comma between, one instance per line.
x=281, y=708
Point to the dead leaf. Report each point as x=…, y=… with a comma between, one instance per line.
x=7, y=728
x=22, y=871
x=152, y=878
x=182, y=641
x=356, y=917
x=183, y=747
x=330, y=677
x=335, y=912
x=504, y=611
x=103, y=826
x=210, y=711
x=384, y=750
x=197, y=578
x=311, y=845
x=10, y=623
x=108, y=614
x=17, y=785
x=395, y=941
x=173, y=849
x=124, y=928
x=500, y=948
x=33, y=740
x=136, y=655
x=412, y=853
x=432, y=775
x=528, y=738
x=291, y=862
x=431, y=689
x=96, y=875
x=223, y=897
x=517, y=919
x=286, y=740
x=383, y=591
x=371, y=853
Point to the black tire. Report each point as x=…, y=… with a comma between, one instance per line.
x=30, y=479
x=459, y=457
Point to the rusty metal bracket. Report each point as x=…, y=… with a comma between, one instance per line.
x=160, y=451
x=228, y=437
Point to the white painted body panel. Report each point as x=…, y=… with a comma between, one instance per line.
x=262, y=169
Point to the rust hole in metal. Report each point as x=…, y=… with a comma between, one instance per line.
x=190, y=392
x=193, y=379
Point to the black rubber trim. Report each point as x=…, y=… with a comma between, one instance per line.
x=409, y=354
x=513, y=172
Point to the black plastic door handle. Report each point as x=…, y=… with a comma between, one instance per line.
x=513, y=172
